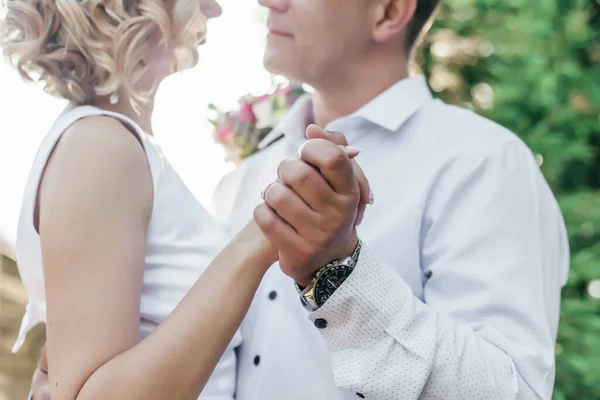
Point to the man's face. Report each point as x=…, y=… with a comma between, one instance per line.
x=312, y=41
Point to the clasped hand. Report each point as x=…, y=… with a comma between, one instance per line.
x=311, y=211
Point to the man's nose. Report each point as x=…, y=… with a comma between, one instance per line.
x=275, y=5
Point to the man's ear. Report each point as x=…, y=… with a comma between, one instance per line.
x=391, y=18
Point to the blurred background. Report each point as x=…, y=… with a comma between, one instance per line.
x=532, y=66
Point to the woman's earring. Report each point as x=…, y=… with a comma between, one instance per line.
x=114, y=98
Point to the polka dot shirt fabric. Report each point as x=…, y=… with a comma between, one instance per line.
x=386, y=344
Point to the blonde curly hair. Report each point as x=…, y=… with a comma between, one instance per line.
x=85, y=49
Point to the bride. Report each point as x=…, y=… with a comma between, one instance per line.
x=140, y=292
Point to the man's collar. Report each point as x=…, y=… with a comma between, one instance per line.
x=394, y=106
x=388, y=110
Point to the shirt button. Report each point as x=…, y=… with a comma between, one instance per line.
x=321, y=323
x=362, y=396
x=256, y=360
x=273, y=295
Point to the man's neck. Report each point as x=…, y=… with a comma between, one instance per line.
x=342, y=97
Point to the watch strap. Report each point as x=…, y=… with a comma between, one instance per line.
x=307, y=294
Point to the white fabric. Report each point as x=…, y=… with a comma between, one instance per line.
x=456, y=294
x=182, y=240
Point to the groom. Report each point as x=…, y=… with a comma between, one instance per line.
x=454, y=291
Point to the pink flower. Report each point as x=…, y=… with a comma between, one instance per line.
x=247, y=114
x=225, y=133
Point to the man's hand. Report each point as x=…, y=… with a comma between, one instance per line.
x=310, y=213
x=40, y=387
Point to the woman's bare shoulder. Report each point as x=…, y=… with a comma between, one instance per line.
x=96, y=164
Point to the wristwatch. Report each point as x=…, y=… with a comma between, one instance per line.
x=327, y=280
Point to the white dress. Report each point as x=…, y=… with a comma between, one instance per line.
x=182, y=240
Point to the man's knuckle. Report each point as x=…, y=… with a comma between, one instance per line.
x=337, y=213
x=350, y=200
x=325, y=217
x=335, y=158
x=301, y=177
x=321, y=220
x=338, y=138
x=327, y=235
x=315, y=146
x=310, y=146
x=319, y=142
x=339, y=216
x=311, y=179
x=276, y=197
x=284, y=167
x=263, y=217
x=319, y=235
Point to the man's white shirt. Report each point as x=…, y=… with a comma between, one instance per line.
x=456, y=294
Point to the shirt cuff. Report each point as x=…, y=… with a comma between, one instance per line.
x=371, y=300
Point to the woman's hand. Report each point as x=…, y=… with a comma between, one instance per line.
x=254, y=242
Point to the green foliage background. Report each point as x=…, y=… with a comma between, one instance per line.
x=534, y=67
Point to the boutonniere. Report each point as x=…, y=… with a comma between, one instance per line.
x=241, y=130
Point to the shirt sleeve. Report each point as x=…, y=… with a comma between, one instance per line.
x=494, y=252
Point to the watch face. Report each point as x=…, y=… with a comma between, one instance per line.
x=329, y=281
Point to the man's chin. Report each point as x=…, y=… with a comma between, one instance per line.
x=274, y=65
x=282, y=66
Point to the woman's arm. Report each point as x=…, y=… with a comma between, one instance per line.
x=95, y=205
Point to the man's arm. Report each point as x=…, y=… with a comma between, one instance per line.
x=486, y=330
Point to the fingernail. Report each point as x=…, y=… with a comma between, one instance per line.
x=352, y=148
x=350, y=151
x=371, y=197
x=264, y=189
x=300, y=150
